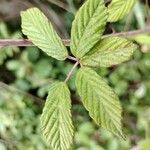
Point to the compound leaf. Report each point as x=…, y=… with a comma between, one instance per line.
x=88, y=26
x=100, y=100
x=56, y=121
x=109, y=51
x=40, y=31
x=118, y=9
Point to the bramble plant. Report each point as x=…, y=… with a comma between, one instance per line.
x=90, y=49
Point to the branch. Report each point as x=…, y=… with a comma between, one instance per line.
x=12, y=89
x=25, y=42
x=60, y=4
x=22, y=42
x=130, y=33
x=8, y=142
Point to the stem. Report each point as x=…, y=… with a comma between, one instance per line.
x=72, y=58
x=25, y=42
x=130, y=33
x=71, y=71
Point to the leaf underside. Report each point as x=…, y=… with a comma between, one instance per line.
x=88, y=26
x=56, y=120
x=40, y=31
x=119, y=9
x=100, y=100
x=108, y=52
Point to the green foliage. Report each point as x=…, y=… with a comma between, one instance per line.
x=32, y=72
x=19, y=119
x=118, y=9
x=42, y=34
x=108, y=52
x=56, y=117
x=33, y=75
x=88, y=27
x=90, y=50
x=135, y=101
x=100, y=100
x=6, y=52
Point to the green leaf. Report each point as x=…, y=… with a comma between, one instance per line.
x=41, y=32
x=88, y=26
x=109, y=51
x=118, y=9
x=100, y=100
x=56, y=117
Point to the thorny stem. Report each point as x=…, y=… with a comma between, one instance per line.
x=25, y=42
x=71, y=71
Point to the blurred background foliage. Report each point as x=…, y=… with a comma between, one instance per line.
x=26, y=74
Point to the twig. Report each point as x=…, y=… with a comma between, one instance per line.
x=60, y=4
x=8, y=142
x=35, y=99
x=15, y=42
x=130, y=33
x=25, y=42
x=22, y=42
x=71, y=71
